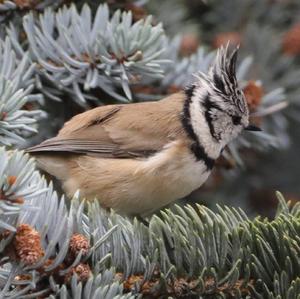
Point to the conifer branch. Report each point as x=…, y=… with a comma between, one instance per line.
x=99, y=52
x=186, y=251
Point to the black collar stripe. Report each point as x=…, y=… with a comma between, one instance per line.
x=196, y=148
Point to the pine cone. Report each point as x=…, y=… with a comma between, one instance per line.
x=27, y=243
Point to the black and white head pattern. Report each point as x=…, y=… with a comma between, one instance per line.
x=218, y=108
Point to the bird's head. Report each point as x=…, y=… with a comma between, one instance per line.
x=218, y=108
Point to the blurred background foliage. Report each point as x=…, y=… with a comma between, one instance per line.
x=59, y=58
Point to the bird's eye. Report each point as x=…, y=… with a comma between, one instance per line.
x=236, y=120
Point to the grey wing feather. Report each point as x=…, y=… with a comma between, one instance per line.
x=87, y=147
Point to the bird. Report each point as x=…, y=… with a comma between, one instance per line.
x=137, y=158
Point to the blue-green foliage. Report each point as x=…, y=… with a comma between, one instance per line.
x=193, y=243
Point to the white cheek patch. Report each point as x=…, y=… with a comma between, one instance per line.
x=200, y=125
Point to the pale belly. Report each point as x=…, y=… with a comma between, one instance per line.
x=168, y=188
x=138, y=187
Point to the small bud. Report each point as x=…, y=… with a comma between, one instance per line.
x=18, y=200
x=26, y=4
x=221, y=39
x=173, y=89
x=23, y=277
x=253, y=93
x=189, y=44
x=291, y=41
x=131, y=282
x=3, y=115
x=86, y=58
x=82, y=271
x=2, y=195
x=79, y=243
x=27, y=243
x=144, y=89
x=55, y=273
x=5, y=234
x=28, y=106
x=138, y=12
x=181, y=287
x=138, y=55
x=11, y=179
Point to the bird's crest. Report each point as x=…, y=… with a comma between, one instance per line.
x=223, y=71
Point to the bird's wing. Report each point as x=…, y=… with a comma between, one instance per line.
x=120, y=131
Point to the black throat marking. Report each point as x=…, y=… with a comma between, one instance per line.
x=196, y=148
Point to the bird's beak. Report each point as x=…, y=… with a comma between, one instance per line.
x=252, y=128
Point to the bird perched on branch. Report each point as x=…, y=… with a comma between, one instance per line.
x=139, y=157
